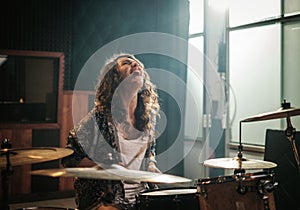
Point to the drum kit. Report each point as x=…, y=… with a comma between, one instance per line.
x=239, y=191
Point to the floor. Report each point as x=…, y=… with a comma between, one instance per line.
x=65, y=203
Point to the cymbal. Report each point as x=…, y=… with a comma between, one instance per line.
x=280, y=113
x=112, y=174
x=22, y=156
x=235, y=163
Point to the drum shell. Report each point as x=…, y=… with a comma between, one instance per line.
x=171, y=198
x=222, y=193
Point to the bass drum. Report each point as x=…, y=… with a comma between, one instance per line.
x=174, y=198
x=237, y=192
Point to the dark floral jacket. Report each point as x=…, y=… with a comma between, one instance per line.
x=96, y=138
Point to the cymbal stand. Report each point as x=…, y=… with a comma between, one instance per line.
x=5, y=173
x=240, y=153
x=290, y=133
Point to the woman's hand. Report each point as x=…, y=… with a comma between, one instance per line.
x=152, y=168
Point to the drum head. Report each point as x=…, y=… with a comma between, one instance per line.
x=169, y=192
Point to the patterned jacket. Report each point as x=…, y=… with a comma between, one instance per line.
x=96, y=138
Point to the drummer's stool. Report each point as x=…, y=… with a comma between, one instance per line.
x=278, y=149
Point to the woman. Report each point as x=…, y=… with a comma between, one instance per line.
x=118, y=130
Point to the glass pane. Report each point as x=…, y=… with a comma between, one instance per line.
x=21, y=99
x=254, y=62
x=291, y=63
x=196, y=16
x=193, y=122
x=291, y=7
x=244, y=11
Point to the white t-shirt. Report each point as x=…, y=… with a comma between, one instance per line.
x=129, y=149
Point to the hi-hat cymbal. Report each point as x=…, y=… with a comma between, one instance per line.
x=280, y=113
x=22, y=156
x=112, y=174
x=237, y=163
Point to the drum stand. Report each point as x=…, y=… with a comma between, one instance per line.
x=290, y=133
x=265, y=187
x=5, y=173
x=240, y=170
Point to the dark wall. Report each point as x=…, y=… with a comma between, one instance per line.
x=44, y=25
x=78, y=28
x=98, y=22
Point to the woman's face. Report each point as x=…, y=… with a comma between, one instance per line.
x=131, y=69
x=128, y=66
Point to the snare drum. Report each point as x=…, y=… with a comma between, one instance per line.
x=237, y=192
x=175, y=198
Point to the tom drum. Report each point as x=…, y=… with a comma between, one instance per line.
x=237, y=192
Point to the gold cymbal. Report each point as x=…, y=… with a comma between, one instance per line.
x=22, y=156
x=112, y=174
x=237, y=163
x=280, y=113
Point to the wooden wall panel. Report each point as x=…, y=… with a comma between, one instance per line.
x=6, y=134
x=20, y=136
x=19, y=181
x=81, y=108
x=66, y=125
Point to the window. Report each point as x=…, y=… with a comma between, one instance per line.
x=194, y=89
x=263, y=63
x=255, y=79
x=291, y=7
x=291, y=64
x=195, y=70
x=250, y=11
x=31, y=86
x=196, y=17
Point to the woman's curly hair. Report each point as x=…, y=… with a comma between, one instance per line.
x=110, y=78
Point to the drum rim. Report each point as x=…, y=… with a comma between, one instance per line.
x=235, y=177
x=154, y=191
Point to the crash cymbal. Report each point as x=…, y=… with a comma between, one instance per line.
x=112, y=174
x=22, y=156
x=280, y=113
x=237, y=163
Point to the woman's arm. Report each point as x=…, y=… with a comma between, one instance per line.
x=78, y=157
